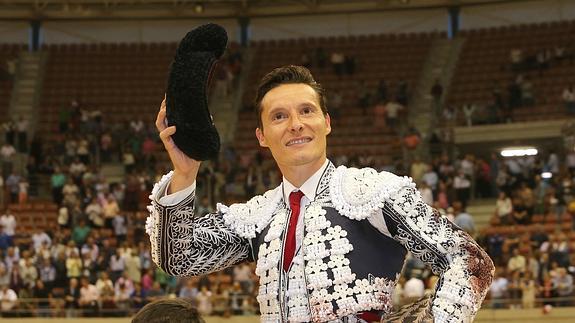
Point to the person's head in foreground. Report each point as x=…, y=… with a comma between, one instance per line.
x=170, y=310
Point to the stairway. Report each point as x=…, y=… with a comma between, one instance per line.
x=27, y=86
x=481, y=210
x=225, y=109
x=440, y=64
x=23, y=103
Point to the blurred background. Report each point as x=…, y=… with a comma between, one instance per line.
x=472, y=98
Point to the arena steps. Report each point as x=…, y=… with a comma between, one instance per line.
x=481, y=210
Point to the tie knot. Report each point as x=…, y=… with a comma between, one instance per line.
x=295, y=198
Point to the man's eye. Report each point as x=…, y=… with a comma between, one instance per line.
x=307, y=110
x=278, y=116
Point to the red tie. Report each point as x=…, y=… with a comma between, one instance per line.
x=289, y=249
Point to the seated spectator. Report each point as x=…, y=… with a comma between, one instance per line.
x=413, y=290
x=498, y=289
x=71, y=297
x=8, y=301
x=517, y=263
x=89, y=297
x=520, y=213
x=564, y=285
x=155, y=293
x=95, y=213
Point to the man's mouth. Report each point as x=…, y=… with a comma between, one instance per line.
x=298, y=141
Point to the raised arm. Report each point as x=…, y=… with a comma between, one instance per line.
x=182, y=244
x=465, y=270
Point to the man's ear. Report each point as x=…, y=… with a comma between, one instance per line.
x=261, y=138
x=328, y=123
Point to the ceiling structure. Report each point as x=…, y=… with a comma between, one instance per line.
x=207, y=9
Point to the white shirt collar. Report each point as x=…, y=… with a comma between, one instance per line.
x=308, y=187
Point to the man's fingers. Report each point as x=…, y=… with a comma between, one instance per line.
x=161, y=120
x=167, y=133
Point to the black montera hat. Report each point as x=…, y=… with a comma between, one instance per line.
x=186, y=96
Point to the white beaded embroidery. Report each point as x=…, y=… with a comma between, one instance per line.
x=249, y=218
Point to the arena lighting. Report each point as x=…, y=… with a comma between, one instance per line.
x=199, y=8
x=518, y=151
x=546, y=175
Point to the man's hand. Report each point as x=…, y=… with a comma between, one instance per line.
x=185, y=168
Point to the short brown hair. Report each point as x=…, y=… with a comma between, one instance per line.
x=290, y=74
x=169, y=310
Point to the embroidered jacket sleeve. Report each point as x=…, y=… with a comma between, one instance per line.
x=185, y=245
x=465, y=270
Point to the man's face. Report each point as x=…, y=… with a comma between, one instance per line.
x=294, y=126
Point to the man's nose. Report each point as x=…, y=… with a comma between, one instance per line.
x=296, y=124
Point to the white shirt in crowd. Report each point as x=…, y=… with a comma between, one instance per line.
x=39, y=238
x=8, y=223
x=414, y=288
x=8, y=299
x=568, y=96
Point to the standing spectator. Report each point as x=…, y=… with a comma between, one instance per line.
x=382, y=94
x=431, y=179
x=392, y=110
x=437, y=94
x=426, y=193
x=463, y=219
x=528, y=291
x=418, y=168
x=503, y=208
x=568, y=97
x=7, y=152
x=22, y=129
x=242, y=275
x=13, y=186
x=120, y=227
x=74, y=265
x=204, y=299
x=462, y=186
x=57, y=181
x=111, y=209
x=337, y=61
x=80, y=232
x=402, y=93
x=117, y=265
x=133, y=267
x=527, y=96
x=8, y=225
